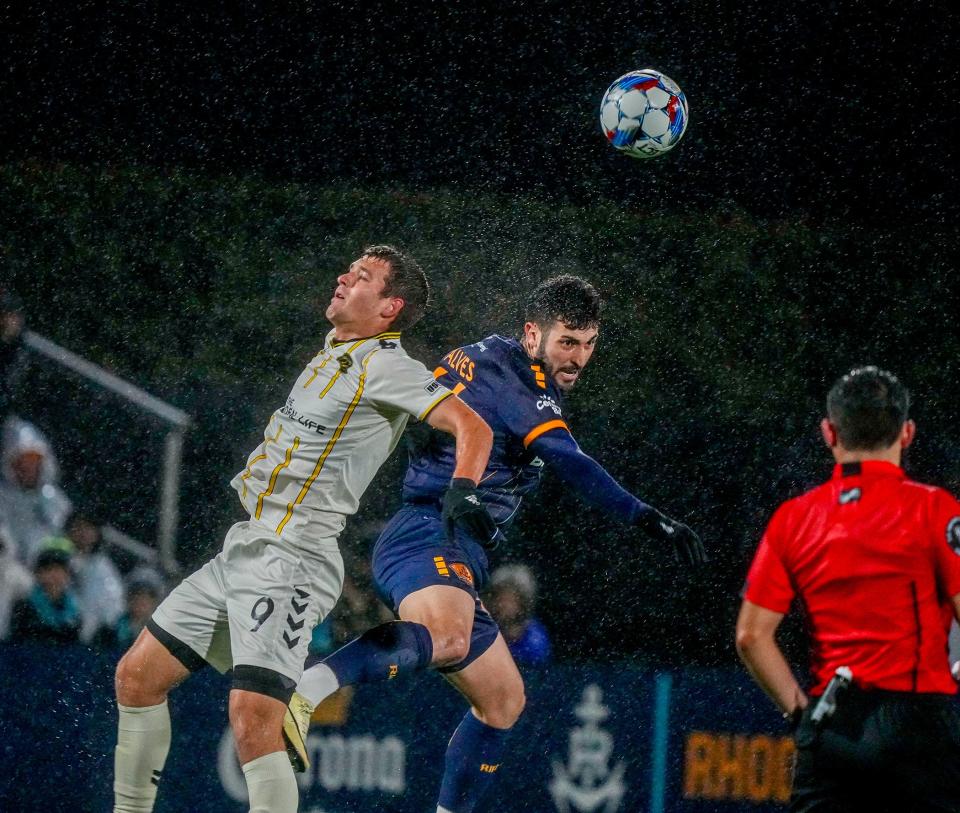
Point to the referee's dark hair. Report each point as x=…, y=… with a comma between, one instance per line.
x=406, y=281
x=567, y=299
x=868, y=407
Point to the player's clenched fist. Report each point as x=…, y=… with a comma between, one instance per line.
x=687, y=546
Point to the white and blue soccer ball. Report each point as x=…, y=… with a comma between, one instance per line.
x=644, y=113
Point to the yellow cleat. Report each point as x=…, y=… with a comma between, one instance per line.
x=296, y=722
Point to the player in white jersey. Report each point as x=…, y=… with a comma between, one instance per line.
x=252, y=608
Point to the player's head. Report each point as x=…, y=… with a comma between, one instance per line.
x=561, y=328
x=383, y=289
x=867, y=413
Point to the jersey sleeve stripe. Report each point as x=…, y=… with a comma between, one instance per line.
x=534, y=433
x=441, y=397
x=439, y=372
x=328, y=448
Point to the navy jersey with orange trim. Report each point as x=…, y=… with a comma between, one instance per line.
x=512, y=393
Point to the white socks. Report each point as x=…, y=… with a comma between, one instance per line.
x=272, y=784
x=317, y=684
x=143, y=739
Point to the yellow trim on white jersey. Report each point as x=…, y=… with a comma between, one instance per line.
x=349, y=350
x=258, y=458
x=317, y=369
x=443, y=397
x=276, y=473
x=328, y=448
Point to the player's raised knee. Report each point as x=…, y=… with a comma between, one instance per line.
x=147, y=672
x=450, y=646
x=124, y=679
x=134, y=682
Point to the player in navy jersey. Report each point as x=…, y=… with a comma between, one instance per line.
x=430, y=571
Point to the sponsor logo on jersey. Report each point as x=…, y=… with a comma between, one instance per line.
x=388, y=345
x=546, y=402
x=432, y=387
x=290, y=411
x=953, y=534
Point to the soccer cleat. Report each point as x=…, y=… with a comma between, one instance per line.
x=296, y=722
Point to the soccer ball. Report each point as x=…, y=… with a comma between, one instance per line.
x=644, y=113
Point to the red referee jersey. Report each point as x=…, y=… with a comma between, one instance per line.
x=874, y=558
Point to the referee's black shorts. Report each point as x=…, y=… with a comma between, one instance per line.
x=881, y=751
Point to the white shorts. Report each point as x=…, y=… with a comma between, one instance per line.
x=255, y=603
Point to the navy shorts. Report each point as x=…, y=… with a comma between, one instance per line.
x=413, y=552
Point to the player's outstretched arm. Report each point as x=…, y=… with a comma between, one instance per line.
x=588, y=478
x=461, y=504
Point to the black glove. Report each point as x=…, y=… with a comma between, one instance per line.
x=462, y=506
x=687, y=546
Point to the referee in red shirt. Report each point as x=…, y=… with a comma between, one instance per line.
x=874, y=559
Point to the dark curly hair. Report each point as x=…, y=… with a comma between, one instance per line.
x=567, y=299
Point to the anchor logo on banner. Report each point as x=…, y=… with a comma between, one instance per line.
x=588, y=783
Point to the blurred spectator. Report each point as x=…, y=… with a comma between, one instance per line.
x=50, y=611
x=144, y=590
x=15, y=580
x=359, y=609
x=32, y=505
x=12, y=351
x=99, y=585
x=511, y=598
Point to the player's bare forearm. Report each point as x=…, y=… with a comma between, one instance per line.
x=474, y=437
x=758, y=649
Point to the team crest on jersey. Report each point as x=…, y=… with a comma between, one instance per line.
x=953, y=534
x=345, y=362
x=463, y=572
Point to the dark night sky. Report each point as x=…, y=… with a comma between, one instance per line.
x=827, y=110
x=838, y=113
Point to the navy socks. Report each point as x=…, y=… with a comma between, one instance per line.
x=472, y=763
x=381, y=653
